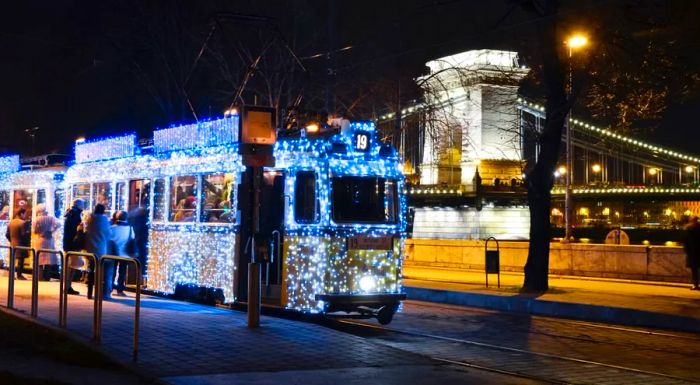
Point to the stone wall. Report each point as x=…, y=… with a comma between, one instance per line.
x=654, y=263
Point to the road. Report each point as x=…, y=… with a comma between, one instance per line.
x=542, y=349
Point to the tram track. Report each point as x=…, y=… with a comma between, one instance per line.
x=687, y=336
x=377, y=332
x=591, y=339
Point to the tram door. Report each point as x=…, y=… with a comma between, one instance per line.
x=271, y=234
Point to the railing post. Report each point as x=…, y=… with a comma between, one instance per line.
x=62, y=290
x=64, y=294
x=11, y=278
x=11, y=281
x=97, y=300
x=100, y=293
x=35, y=282
x=137, y=305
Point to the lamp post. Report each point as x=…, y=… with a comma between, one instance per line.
x=573, y=42
x=596, y=171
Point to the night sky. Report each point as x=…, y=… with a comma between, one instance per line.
x=86, y=68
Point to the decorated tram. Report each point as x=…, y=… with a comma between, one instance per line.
x=331, y=220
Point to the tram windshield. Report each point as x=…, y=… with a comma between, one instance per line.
x=364, y=200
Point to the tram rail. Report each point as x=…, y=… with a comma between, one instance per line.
x=351, y=326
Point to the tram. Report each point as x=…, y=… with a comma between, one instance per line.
x=332, y=218
x=27, y=189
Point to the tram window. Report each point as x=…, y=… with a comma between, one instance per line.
x=217, y=190
x=139, y=194
x=120, y=197
x=183, y=201
x=41, y=196
x=59, y=197
x=159, y=200
x=82, y=191
x=364, y=200
x=305, y=197
x=22, y=199
x=4, y=205
x=102, y=194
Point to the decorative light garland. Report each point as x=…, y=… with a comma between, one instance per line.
x=105, y=148
x=317, y=260
x=198, y=135
x=9, y=163
x=621, y=138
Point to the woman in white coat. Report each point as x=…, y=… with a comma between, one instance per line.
x=43, y=229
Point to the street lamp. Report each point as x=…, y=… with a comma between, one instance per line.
x=596, y=171
x=573, y=42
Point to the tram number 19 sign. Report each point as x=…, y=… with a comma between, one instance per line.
x=361, y=141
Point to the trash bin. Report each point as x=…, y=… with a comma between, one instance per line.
x=492, y=261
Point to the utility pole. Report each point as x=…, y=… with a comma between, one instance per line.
x=331, y=57
x=31, y=132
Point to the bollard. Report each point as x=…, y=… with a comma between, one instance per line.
x=253, y=295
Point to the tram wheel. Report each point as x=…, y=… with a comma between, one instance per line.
x=385, y=315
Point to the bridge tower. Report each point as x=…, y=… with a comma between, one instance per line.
x=473, y=118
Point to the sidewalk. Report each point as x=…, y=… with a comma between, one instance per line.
x=185, y=343
x=625, y=302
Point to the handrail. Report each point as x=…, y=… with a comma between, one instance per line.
x=35, y=273
x=35, y=279
x=11, y=279
x=63, y=304
x=137, y=301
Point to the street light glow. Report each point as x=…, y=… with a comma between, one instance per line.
x=652, y=171
x=688, y=169
x=577, y=41
x=596, y=168
x=562, y=170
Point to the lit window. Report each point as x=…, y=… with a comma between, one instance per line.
x=4, y=205
x=159, y=200
x=183, y=198
x=23, y=199
x=217, y=195
x=82, y=191
x=102, y=194
x=305, y=197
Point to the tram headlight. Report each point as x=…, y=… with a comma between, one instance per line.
x=367, y=283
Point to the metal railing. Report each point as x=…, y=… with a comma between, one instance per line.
x=11, y=278
x=99, y=288
x=63, y=300
x=63, y=294
x=35, y=269
x=35, y=279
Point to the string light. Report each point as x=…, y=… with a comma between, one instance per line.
x=9, y=164
x=104, y=149
x=318, y=259
x=198, y=135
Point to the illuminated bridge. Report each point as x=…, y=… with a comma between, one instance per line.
x=470, y=144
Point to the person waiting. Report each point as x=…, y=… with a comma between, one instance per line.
x=43, y=229
x=122, y=237
x=19, y=235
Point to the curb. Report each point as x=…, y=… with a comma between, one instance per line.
x=89, y=344
x=578, y=311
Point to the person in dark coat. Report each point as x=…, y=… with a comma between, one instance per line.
x=19, y=234
x=692, y=250
x=72, y=219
